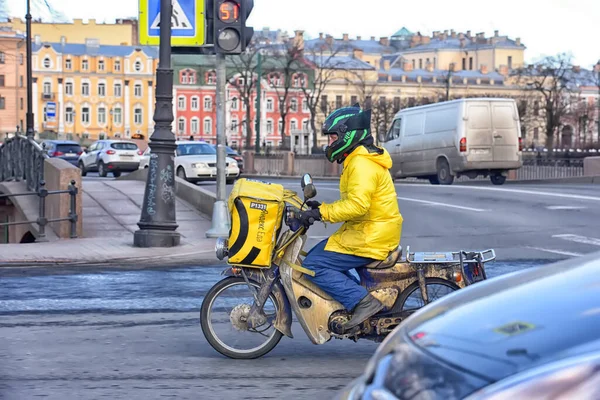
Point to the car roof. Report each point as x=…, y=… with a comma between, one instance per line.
x=190, y=142
x=546, y=313
x=61, y=141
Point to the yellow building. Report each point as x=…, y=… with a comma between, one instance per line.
x=13, y=85
x=94, y=91
x=123, y=32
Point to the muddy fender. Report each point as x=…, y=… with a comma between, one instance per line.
x=283, y=321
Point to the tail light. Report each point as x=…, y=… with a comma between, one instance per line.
x=110, y=152
x=520, y=144
x=79, y=153
x=463, y=145
x=58, y=153
x=140, y=153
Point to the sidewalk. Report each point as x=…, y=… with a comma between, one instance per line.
x=111, y=210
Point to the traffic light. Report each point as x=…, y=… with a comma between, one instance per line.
x=230, y=33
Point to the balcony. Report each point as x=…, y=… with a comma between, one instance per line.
x=47, y=96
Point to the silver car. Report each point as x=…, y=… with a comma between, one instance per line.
x=114, y=156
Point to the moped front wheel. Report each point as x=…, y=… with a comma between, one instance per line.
x=223, y=317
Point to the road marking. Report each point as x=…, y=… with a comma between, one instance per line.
x=563, y=253
x=579, y=239
x=434, y=203
x=566, y=208
x=549, y=194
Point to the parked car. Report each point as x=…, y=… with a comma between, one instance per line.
x=197, y=161
x=67, y=150
x=524, y=335
x=145, y=159
x=115, y=156
x=236, y=156
x=472, y=137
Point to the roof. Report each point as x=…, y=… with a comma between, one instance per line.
x=403, y=32
x=398, y=73
x=340, y=45
x=455, y=43
x=77, y=49
x=338, y=62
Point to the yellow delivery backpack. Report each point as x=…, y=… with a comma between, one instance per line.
x=256, y=209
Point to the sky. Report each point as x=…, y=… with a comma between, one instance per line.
x=546, y=27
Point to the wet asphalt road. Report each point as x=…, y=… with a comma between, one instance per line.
x=135, y=334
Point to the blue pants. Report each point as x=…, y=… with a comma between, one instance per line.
x=333, y=274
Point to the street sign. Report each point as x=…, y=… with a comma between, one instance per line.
x=187, y=22
x=51, y=110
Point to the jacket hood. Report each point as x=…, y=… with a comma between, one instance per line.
x=382, y=159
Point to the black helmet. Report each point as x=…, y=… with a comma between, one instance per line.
x=352, y=126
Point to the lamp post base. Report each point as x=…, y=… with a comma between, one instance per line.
x=155, y=238
x=220, y=221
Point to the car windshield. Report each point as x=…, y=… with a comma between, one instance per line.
x=124, y=146
x=68, y=148
x=195, y=149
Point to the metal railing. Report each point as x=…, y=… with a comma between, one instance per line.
x=547, y=168
x=22, y=158
x=42, y=221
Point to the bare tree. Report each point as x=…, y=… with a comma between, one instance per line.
x=282, y=76
x=243, y=78
x=550, y=78
x=324, y=66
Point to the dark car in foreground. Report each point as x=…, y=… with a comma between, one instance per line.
x=66, y=149
x=529, y=334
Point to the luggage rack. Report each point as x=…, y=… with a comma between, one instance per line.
x=449, y=257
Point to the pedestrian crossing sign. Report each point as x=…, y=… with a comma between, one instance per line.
x=187, y=22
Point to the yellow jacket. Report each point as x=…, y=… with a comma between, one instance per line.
x=368, y=207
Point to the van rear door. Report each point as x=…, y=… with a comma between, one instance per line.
x=506, y=131
x=479, y=131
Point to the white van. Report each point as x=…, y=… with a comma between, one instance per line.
x=472, y=137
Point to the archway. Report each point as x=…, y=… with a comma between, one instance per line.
x=567, y=136
x=28, y=238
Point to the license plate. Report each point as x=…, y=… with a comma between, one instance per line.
x=70, y=154
x=126, y=156
x=480, y=151
x=474, y=272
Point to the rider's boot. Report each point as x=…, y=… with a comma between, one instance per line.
x=365, y=308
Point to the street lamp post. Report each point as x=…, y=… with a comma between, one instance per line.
x=29, y=117
x=158, y=225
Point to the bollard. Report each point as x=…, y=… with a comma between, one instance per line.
x=73, y=190
x=42, y=221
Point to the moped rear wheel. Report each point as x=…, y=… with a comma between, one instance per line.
x=411, y=300
x=222, y=318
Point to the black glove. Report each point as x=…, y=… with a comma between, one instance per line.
x=313, y=204
x=307, y=218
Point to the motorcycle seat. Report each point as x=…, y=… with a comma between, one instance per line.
x=389, y=261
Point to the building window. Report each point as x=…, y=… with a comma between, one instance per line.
x=195, y=125
x=21, y=58
x=137, y=116
x=68, y=64
x=306, y=125
x=211, y=79
x=102, y=89
x=2, y=81
x=101, y=65
x=21, y=81
x=184, y=78
x=47, y=86
x=269, y=104
x=353, y=100
x=304, y=105
x=85, y=115
x=207, y=126
x=324, y=103
x=181, y=103
x=2, y=103
x=117, y=66
x=84, y=65
x=69, y=88
x=510, y=62
x=464, y=63
x=195, y=103
x=101, y=116
x=294, y=105
x=338, y=102
x=293, y=125
x=117, y=116
x=296, y=81
x=181, y=126
x=69, y=115
x=47, y=62
x=207, y=103
x=138, y=66
x=280, y=126
x=117, y=89
x=21, y=101
x=85, y=89
x=536, y=108
x=396, y=104
x=368, y=102
x=420, y=63
x=2, y=57
x=235, y=104
x=192, y=78
x=137, y=90
x=270, y=126
x=471, y=63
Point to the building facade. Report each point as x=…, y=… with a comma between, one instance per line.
x=94, y=91
x=194, y=97
x=13, y=82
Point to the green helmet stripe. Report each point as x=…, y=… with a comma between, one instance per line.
x=347, y=143
x=335, y=121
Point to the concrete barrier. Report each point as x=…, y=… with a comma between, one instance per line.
x=58, y=175
x=197, y=197
x=591, y=166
